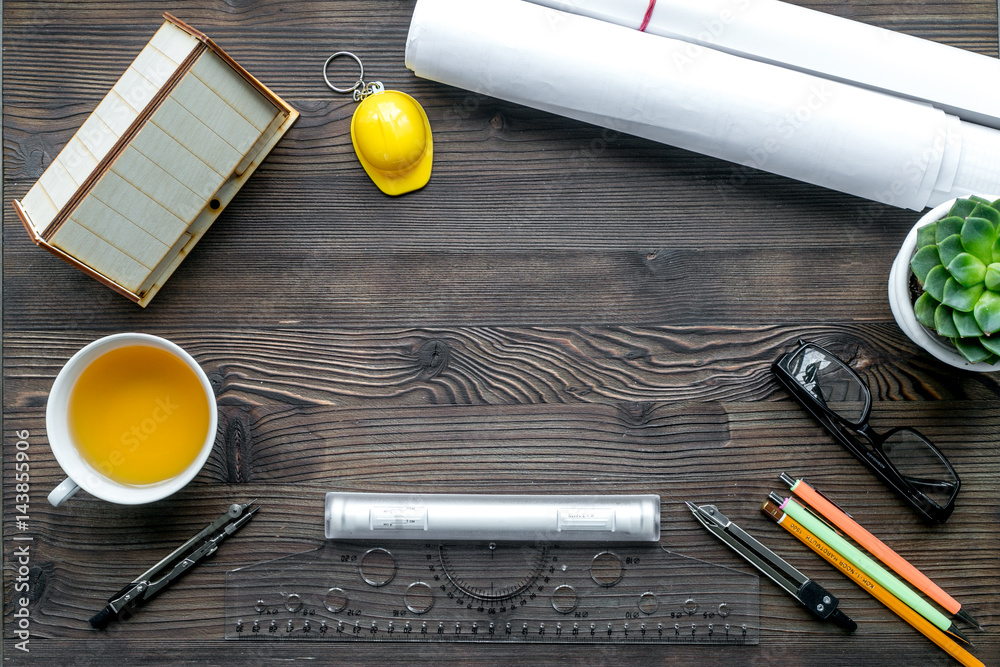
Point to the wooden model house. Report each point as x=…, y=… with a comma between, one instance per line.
x=153, y=166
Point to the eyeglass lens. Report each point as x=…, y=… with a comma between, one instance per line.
x=833, y=385
x=920, y=465
x=830, y=382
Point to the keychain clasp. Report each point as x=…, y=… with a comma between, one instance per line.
x=360, y=89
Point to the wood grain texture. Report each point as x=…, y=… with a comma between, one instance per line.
x=205, y=104
x=234, y=90
x=78, y=241
x=181, y=125
x=129, y=201
x=563, y=309
x=121, y=232
x=156, y=183
x=172, y=42
x=176, y=159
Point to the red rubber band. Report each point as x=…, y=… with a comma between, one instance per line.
x=649, y=14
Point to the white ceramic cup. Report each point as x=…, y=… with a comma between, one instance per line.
x=81, y=474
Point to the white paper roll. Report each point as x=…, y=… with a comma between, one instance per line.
x=831, y=134
x=952, y=79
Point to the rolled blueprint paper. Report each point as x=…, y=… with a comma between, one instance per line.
x=831, y=134
x=446, y=516
x=775, y=32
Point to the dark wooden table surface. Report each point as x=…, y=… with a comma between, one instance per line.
x=563, y=309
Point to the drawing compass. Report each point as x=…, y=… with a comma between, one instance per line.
x=139, y=591
x=821, y=603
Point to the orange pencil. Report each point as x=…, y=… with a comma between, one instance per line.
x=877, y=548
x=895, y=605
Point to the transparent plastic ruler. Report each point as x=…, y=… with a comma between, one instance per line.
x=492, y=592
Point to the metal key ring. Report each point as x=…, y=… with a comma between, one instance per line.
x=360, y=82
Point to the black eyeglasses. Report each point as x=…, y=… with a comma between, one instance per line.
x=902, y=458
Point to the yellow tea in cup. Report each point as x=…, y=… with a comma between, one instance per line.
x=138, y=415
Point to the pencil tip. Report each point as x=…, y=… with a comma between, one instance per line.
x=967, y=617
x=953, y=631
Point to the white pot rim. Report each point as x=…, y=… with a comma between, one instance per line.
x=902, y=308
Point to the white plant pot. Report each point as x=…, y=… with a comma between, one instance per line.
x=902, y=307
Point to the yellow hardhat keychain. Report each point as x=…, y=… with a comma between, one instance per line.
x=390, y=133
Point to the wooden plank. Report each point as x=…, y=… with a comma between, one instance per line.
x=116, y=113
x=332, y=287
x=134, y=90
x=154, y=66
x=173, y=42
x=97, y=136
x=78, y=161
x=193, y=134
x=212, y=110
x=39, y=207
x=158, y=184
x=174, y=158
x=58, y=184
x=353, y=366
x=99, y=254
x=156, y=274
x=120, y=232
x=131, y=203
x=234, y=89
x=264, y=144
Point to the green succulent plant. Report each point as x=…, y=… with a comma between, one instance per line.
x=958, y=265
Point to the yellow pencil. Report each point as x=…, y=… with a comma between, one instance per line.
x=898, y=607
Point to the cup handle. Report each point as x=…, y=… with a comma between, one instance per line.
x=63, y=492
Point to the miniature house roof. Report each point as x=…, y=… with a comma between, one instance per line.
x=155, y=163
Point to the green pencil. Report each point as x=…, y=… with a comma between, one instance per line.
x=875, y=571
